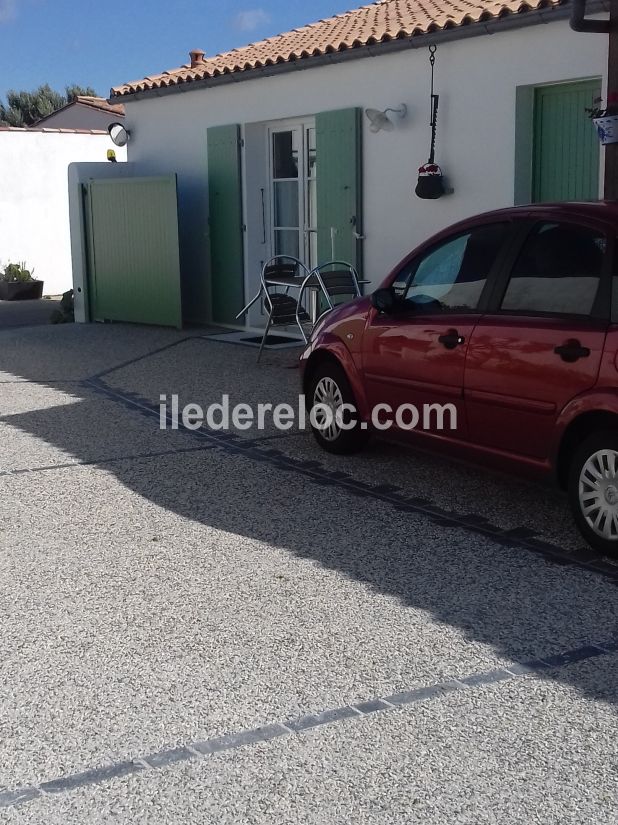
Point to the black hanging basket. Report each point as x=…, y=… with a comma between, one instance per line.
x=430, y=182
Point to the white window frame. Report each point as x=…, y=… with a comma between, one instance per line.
x=307, y=233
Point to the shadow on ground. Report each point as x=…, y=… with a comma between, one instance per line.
x=26, y=313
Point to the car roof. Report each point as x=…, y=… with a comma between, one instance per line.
x=603, y=212
x=606, y=211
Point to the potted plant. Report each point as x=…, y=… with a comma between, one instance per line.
x=605, y=118
x=17, y=284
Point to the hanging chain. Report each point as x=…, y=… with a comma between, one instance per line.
x=432, y=62
x=434, y=124
x=434, y=104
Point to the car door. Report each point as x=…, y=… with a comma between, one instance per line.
x=416, y=354
x=542, y=345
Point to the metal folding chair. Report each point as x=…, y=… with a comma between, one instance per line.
x=281, y=272
x=337, y=281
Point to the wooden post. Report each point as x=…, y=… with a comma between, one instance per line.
x=611, y=151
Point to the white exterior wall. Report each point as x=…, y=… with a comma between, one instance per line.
x=34, y=199
x=476, y=79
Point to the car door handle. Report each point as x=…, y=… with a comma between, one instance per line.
x=572, y=351
x=451, y=339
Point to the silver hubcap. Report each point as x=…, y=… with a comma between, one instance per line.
x=327, y=394
x=598, y=493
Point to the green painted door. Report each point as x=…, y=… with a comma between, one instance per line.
x=566, y=149
x=225, y=222
x=134, y=271
x=339, y=186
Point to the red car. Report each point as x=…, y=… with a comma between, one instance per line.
x=496, y=341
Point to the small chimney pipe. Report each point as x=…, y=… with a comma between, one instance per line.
x=197, y=58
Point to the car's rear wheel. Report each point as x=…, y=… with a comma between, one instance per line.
x=593, y=490
x=336, y=430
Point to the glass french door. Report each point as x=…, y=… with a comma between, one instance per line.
x=293, y=186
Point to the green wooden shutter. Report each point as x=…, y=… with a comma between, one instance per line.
x=225, y=222
x=566, y=148
x=339, y=185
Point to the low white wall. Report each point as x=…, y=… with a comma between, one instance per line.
x=477, y=80
x=34, y=199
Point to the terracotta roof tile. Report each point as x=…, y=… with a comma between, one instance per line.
x=26, y=130
x=102, y=104
x=378, y=22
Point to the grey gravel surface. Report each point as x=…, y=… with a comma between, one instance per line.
x=68, y=423
x=155, y=590
x=201, y=371
x=74, y=351
x=526, y=752
x=193, y=370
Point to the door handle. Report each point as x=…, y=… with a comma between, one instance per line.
x=572, y=351
x=451, y=339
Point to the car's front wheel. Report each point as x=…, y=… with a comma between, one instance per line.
x=593, y=490
x=336, y=428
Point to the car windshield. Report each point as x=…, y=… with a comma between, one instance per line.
x=453, y=274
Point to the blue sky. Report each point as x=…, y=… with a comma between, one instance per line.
x=101, y=44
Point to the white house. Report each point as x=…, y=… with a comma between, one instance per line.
x=34, y=197
x=274, y=152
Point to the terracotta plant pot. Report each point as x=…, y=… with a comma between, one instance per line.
x=21, y=291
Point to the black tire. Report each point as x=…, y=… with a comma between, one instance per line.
x=608, y=492
x=346, y=441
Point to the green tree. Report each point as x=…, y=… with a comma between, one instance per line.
x=26, y=108
x=74, y=91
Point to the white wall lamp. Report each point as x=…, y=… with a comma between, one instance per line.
x=381, y=122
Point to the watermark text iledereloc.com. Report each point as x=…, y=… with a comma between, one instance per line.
x=223, y=415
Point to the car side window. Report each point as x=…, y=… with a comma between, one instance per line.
x=558, y=271
x=451, y=276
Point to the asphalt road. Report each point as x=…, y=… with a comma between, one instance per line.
x=232, y=627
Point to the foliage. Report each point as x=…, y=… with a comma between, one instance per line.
x=17, y=273
x=26, y=108
x=72, y=92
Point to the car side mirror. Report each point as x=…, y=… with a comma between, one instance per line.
x=384, y=300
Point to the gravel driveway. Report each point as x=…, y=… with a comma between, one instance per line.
x=208, y=627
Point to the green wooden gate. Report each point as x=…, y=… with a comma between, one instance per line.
x=132, y=241
x=566, y=148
